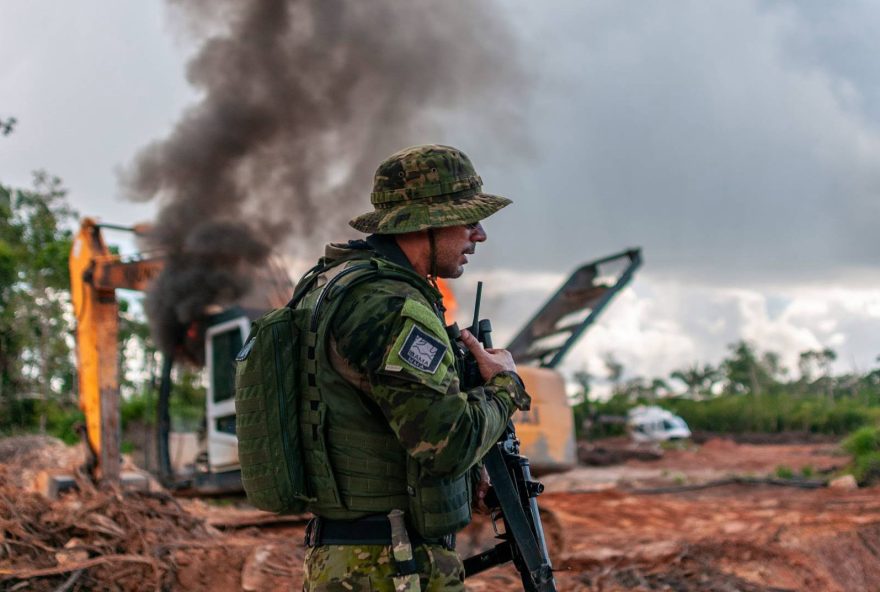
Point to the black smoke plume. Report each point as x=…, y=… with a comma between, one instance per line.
x=301, y=100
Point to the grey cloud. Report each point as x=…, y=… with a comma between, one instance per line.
x=710, y=133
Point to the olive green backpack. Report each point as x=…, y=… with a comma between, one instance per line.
x=270, y=403
x=268, y=397
x=267, y=413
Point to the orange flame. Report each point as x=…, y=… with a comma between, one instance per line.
x=448, y=301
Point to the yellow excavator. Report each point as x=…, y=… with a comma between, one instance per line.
x=95, y=275
x=546, y=431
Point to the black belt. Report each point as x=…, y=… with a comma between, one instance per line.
x=370, y=530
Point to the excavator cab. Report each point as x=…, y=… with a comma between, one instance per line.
x=223, y=340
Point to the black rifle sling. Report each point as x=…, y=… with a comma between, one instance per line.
x=514, y=515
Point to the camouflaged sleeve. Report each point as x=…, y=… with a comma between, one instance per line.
x=367, y=320
x=511, y=384
x=401, y=346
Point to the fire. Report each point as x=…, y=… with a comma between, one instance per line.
x=448, y=301
x=190, y=346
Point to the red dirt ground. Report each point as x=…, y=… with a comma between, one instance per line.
x=604, y=536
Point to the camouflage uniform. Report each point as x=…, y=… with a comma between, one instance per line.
x=388, y=340
x=369, y=568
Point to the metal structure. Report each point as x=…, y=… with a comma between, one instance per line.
x=551, y=333
x=95, y=275
x=547, y=429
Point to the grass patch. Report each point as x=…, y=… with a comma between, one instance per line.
x=864, y=445
x=783, y=472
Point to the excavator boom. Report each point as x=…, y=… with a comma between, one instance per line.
x=95, y=274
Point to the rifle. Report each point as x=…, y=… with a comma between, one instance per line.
x=513, y=491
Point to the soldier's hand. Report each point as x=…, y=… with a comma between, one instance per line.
x=490, y=361
x=480, y=492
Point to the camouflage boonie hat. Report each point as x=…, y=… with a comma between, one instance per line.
x=428, y=186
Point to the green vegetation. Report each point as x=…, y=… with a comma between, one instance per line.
x=38, y=390
x=187, y=406
x=774, y=413
x=784, y=472
x=36, y=320
x=748, y=392
x=863, y=441
x=864, y=445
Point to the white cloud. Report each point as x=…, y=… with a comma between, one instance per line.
x=780, y=333
x=657, y=326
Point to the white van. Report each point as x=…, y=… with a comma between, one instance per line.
x=655, y=424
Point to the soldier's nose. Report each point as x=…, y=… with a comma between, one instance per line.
x=478, y=233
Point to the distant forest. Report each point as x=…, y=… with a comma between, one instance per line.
x=748, y=391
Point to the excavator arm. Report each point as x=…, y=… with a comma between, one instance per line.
x=95, y=275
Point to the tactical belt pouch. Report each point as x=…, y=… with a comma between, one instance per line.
x=267, y=411
x=438, y=505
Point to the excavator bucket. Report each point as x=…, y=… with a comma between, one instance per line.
x=548, y=336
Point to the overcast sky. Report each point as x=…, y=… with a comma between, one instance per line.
x=738, y=143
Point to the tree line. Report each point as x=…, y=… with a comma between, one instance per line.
x=38, y=388
x=747, y=391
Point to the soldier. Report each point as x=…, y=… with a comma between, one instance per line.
x=396, y=468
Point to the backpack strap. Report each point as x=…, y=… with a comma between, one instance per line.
x=305, y=284
x=332, y=294
x=368, y=271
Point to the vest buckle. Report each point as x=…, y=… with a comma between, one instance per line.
x=313, y=532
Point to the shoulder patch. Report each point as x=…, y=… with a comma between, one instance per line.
x=422, y=350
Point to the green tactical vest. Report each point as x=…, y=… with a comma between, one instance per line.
x=354, y=464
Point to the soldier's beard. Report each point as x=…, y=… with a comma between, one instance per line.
x=438, y=252
x=450, y=263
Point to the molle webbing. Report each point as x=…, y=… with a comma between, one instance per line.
x=346, y=484
x=356, y=470
x=444, y=504
x=269, y=443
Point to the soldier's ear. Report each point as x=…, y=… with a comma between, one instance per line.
x=415, y=245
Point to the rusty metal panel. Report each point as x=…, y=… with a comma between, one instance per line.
x=546, y=431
